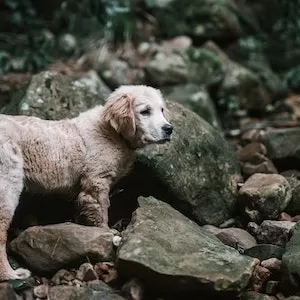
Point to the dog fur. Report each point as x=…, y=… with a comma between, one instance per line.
x=86, y=155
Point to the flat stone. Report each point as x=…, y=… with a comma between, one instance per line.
x=167, y=250
x=233, y=237
x=53, y=247
x=265, y=251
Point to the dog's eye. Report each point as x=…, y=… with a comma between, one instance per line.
x=146, y=111
x=162, y=110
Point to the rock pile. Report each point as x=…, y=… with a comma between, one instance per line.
x=213, y=214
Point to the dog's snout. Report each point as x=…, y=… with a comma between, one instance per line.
x=168, y=129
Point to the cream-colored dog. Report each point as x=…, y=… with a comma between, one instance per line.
x=87, y=154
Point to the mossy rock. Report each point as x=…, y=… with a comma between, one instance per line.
x=53, y=96
x=196, y=172
x=172, y=253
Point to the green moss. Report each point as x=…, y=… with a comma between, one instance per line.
x=197, y=167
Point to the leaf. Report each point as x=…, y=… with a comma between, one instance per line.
x=17, y=284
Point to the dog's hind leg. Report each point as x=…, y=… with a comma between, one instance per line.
x=11, y=185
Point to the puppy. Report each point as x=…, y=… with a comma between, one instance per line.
x=86, y=155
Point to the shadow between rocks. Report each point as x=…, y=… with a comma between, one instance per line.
x=44, y=209
x=140, y=182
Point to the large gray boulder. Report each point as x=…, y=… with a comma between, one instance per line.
x=197, y=169
x=53, y=247
x=171, y=252
x=53, y=96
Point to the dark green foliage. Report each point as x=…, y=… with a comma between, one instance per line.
x=22, y=16
x=202, y=20
x=111, y=21
x=32, y=51
x=279, y=30
x=31, y=55
x=114, y=19
x=292, y=79
x=28, y=26
x=288, y=23
x=4, y=62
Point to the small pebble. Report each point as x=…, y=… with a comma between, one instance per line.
x=77, y=283
x=117, y=240
x=259, y=277
x=59, y=275
x=86, y=272
x=41, y=291
x=273, y=264
x=285, y=217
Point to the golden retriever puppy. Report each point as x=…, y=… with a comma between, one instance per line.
x=85, y=155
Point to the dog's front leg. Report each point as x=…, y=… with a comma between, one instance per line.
x=93, y=203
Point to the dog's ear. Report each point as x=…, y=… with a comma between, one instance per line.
x=119, y=113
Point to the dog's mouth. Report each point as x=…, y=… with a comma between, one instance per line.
x=157, y=141
x=165, y=139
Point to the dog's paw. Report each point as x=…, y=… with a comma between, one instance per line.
x=18, y=274
x=21, y=273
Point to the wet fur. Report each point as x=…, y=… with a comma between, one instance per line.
x=88, y=153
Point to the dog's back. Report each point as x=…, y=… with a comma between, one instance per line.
x=45, y=148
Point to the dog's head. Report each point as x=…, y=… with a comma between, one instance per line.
x=137, y=113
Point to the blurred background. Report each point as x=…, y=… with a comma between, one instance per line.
x=224, y=59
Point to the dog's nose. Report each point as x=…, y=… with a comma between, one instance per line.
x=168, y=129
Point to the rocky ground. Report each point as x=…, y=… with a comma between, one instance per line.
x=213, y=214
